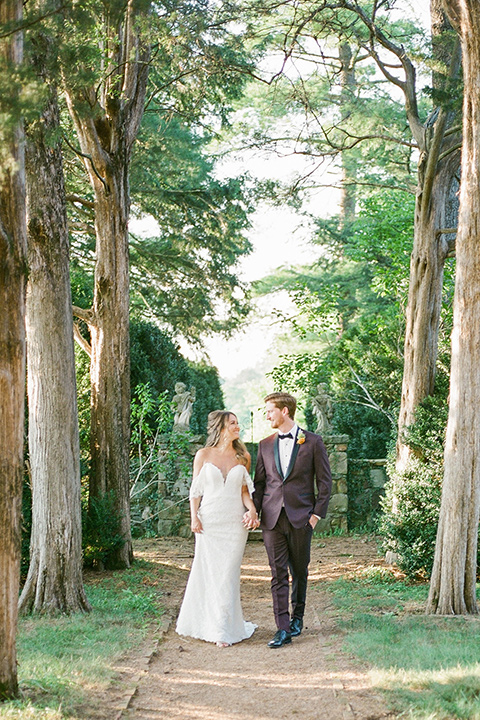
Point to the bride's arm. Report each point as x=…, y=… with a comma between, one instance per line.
x=196, y=523
x=250, y=518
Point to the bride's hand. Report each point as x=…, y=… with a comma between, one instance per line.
x=196, y=525
x=250, y=519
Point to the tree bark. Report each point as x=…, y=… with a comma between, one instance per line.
x=437, y=172
x=12, y=362
x=430, y=248
x=110, y=348
x=453, y=582
x=107, y=123
x=348, y=195
x=54, y=582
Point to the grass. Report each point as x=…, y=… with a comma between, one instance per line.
x=427, y=666
x=65, y=662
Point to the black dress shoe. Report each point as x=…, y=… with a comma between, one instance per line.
x=296, y=626
x=281, y=638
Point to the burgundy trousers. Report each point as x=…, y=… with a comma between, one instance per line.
x=288, y=551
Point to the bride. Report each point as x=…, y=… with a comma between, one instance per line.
x=221, y=490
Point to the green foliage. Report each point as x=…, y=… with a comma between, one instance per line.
x=314, y=111
x=101, y=531
x=157, y=362
x=369, y=430
x=155, y=359
x=156, y=365
x=144, y=408
x=350, y=317
x=82, y=368
x=160, y=457
x=209, y=394
x=151, y=419
x=26, y=525
x=188, y=267
x=183, y=275
x=411, y=529
x=411, y=506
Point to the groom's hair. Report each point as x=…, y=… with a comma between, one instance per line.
x=283, y=399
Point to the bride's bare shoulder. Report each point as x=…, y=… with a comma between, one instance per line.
x=201, y=457
x=203, y=454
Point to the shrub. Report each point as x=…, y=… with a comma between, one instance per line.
x=101, y=531
x=410, y=530
x=411, y=505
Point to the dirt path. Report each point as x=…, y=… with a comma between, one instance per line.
x=311, y=679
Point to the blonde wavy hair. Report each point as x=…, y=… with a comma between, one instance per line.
x=217, y=421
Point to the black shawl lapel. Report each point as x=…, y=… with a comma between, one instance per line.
x=293, y=456
x=277, y=456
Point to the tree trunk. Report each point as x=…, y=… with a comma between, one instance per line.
x=109, y=328
x=452, y=588
x=348, y=195
x=12, y=363
x=110, y=359
x=54, y=583
x=106, y=131
x=437, y=173
x=430, y=249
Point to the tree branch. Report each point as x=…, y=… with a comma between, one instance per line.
x=77, y=199
x=86, y=347
x=85, y=315
x=90, y=159
x=24, y=25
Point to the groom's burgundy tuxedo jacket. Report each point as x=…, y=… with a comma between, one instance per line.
x=305, y=488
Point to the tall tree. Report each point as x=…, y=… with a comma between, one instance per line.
x=107, y=118
x=349, y=163
x=369, y=27
x=439, y=144
x=54, y=582
x=453, y=581
x=12, y=341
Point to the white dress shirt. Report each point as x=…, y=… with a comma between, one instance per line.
x=285, y=448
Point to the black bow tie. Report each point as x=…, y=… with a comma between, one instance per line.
x=283, y=437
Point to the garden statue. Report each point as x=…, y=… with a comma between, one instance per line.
x=183, y=404
x=322, y=407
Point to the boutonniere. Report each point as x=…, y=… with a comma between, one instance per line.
x=301, y=438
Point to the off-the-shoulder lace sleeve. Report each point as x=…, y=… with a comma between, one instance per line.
x=247, y=480
x=197, y=488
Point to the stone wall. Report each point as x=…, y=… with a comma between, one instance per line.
x=161, y=506
x=366, y=482
x=336, y=519
x=357, y=486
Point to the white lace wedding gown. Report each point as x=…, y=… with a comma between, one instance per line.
x=211, y=608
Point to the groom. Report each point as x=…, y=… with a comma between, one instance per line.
x=292, y=490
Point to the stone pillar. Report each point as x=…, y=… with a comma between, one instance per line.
x=337, y=508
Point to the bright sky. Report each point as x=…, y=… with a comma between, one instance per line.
x=279, y=237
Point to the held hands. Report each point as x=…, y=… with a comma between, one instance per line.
x=250, y=520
